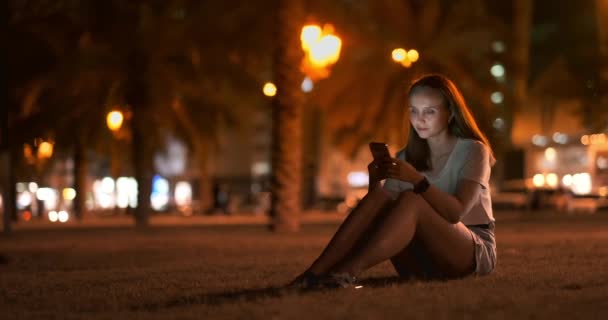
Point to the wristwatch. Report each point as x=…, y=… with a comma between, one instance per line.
x=421, y=186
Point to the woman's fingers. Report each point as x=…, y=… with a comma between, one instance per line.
x=390, y=167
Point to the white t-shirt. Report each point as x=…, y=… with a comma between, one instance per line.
x=469, y=159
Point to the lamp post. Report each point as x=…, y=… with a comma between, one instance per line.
x=114, y=121
x=320, y=49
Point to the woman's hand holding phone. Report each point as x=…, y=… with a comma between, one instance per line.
x=401, y=170
x=381, y=154
x=384, y=166
x=375, y=174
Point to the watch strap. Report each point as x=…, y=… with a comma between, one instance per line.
x=421, y=186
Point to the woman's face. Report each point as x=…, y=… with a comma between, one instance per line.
x=429, y=114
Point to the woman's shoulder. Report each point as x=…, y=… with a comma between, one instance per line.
x=473, y=145
x=475, y=149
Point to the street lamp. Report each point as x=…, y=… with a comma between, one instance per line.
x=405, y=57
x=321, y=50
x=41, y=150
x=270, y=90
x=45, y=150
x=114, y=120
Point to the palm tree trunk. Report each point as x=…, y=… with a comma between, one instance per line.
x=287, y=109
x=204, y=178
x=137, y=98
x=8, y=159
x=7, y=174
x=142, y=162
x=522, y=10
x=312, y=121
x=143, y=172
x=8, y=203
x=80, y=178
x=602, y=27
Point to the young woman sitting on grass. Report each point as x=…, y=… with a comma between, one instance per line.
x=428, y=209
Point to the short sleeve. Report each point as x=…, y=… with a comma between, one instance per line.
x=477, y=164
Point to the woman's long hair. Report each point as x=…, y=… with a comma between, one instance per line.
x=462, y=125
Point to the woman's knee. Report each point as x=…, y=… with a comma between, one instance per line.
x=377, y=198
x=410, y=200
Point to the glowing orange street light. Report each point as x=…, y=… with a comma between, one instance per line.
x=413, y=55
x=399, y=54
x=270, y=90
x=114, y=120
x=321, y=50
x=45, y=150
x=310, y=34
x=405, y=57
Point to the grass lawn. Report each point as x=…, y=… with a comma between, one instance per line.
x=550, y=267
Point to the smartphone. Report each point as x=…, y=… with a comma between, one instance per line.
x=379, y=151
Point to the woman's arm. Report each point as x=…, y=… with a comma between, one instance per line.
x=450, y=207
x=453, y=207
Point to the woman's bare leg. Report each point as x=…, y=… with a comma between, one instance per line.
x=450, y=245
x=413, y=261
x=351, y=230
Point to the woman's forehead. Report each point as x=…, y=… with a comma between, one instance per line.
x=426, y=97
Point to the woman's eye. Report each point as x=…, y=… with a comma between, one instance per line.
x=430, y=111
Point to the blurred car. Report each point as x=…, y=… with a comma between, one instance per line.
x=514, y=194
x=511, y=199
x=589, y=203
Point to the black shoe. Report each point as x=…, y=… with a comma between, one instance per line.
x=340, y=280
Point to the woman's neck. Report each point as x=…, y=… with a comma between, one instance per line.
x=441, y=144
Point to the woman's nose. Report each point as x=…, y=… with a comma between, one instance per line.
x=418, y=119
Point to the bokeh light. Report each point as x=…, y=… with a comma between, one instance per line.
x=269, y=89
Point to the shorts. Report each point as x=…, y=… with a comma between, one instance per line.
x=485, y=249
x=426, y=268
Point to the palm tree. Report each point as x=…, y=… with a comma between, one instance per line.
x=173, y=72
x=75, y=87
x=209, y=75
x=64, y=105
x=287, y=118
x=31, y=52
